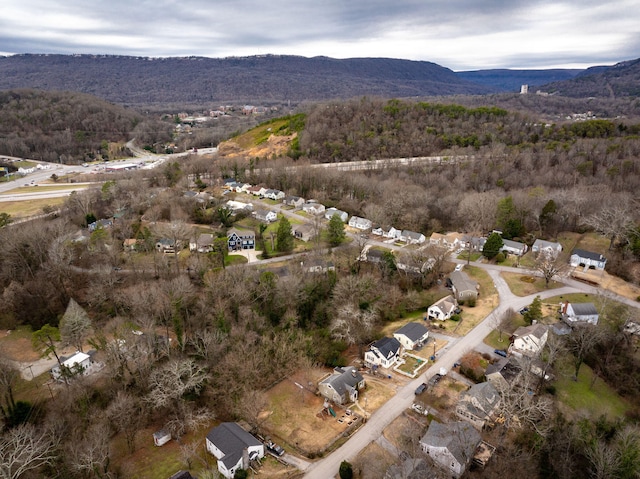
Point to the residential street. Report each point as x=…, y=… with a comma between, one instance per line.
x=445, y=358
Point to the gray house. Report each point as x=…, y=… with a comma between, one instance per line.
x=451, y=446
x=412, y=335
x=233, y=447
x=513, y=247
x=463, y=287
x=548, y=247
x=580, y=313
x=331, y=212
x=478, y=403
x=342, y=385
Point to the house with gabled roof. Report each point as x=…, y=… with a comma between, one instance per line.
x=266, y=216
x=233, y=447
x=360, y=223
x=451, y=241
x=513, y=247
x=411, y=237
x=412, y=335
x=238, y=239
x=529, y=340
x=579, y=313
x=202, y=244
x=313, y=208
x=384, y=352
x=503, y=373
x=78, y=364
x=443, y=309
x=182, y=475
x=478, y=403
x=304, y=231
x=274, y=194
x=463, y=287
x=294, y=201
x=256, y=190
x=451, y=446
x=547, y=247
x=342, y=385
x=587, y=259
x=331, y=212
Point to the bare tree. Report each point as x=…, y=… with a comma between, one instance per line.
x=9, y=376
x=174, y=379
x=549, y=265
x=25, y=448
x=90, y=455
x=75, y=325
x=582, y=340
x=519, y=409
x=614, y=220
x=126, y=416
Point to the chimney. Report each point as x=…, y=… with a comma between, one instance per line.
x=245, y=458
x=353, y=373
x=564, y=307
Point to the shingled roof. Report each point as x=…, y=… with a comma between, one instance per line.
x=231, y=439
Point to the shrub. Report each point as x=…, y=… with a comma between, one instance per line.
x=500, y=257
x=472, y=302
x=346, y=470
x=456, y=317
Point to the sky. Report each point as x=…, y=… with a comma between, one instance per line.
x=457, y=34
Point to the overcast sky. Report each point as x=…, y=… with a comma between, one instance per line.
x=458, y=34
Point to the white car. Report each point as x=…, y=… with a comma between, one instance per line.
x=419, y=409
x=459, y=267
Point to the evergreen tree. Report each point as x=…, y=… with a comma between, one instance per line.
x=284, y=236
x=346, y=470
x=335, y=231
x=492, y=246
x=535, y=311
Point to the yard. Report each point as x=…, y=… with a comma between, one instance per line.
x=524, y=285
x=22, y=209
x=294, y=415
x=373, y=461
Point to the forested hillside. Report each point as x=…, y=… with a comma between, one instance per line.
x=62, y=127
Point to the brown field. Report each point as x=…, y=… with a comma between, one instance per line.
x=294, y=416
x=23, y=209
x=523, y=285
x=372, y=462
x=16, y=345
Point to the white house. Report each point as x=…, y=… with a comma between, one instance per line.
x=331, y=212
x=360, y=223
x=313, y=208
x=411, y=237
x=237, y=206
x=265, y=216
x=451, y=446
x=78, y=364
x=579, y=313
x=203, y=244
x=412, y=335
x=548, y=247
x=443, y=309
x=588, y=259
x=274, y=194
x=529, y=340
x=450, y=241
x=513, y=247
x=294, y=201
x=384, y=352
x=233, y=447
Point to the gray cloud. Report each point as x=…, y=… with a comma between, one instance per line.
x=459, y=34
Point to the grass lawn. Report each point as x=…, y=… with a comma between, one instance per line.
x=585, y=397
x=524, y=285
x=22, y=209
x=410, y=364
x=587, y=241
x=40, y=188
x=474, y=256
x=572, y=298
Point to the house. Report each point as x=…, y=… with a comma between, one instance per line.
x=478, y=403
x=588, y=259
x=443, y=309
x=265, y=216
x=412, y=335
x=294, y=201
x=384, y=352
x=239, y=206
x=256, y=190
x=529, y=340
x=238, y=239
x=473, y=243
x=579, y=313
x=100, y=224
x=78, y=364
x=342, y=385
x=513, y=247
x=313, y=208
x=233, y=447
x=373, y=255
x=360, y=223
x=463, y=287
x=317, y=265
x=547, y=247
x=331, y=212
x=304, y=232
x=160, y=438
x=503, y=373
x=451, y=446
x=451, y=241
x=411, y=237
x=391, y=232
x=274, y=194
x=167, y=245
x=203, y=244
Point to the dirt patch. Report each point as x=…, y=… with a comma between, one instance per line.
x=296, y=416
x=275, y=145
x=373, y=461
x=16, y=345
x=609, y=282
x=442, y=398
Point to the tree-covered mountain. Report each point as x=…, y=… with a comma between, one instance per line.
x=138, y=80
x=511, y=80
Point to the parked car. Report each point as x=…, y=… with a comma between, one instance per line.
x=459, y=267
x=420, y=389
x=274, y=449
x=524, y=310
x=501, y=352
x=419, y=409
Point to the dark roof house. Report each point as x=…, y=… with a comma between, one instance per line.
x=412, y=335
x=233, y=447
x=451, y=446
x=342, y=386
